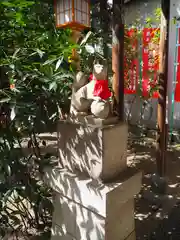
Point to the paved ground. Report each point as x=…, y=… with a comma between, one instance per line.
x=169, y=229
x=160, y=219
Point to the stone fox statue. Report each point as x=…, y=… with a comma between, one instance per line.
x=91, y=97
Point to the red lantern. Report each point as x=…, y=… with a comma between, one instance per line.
x=74, y=14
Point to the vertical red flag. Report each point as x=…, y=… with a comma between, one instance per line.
x=145, y=60
x=177, y=89
x=131, y=70
x=153, y=65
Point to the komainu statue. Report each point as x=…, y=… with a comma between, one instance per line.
x=91, y=96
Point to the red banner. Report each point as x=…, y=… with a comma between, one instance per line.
x=149, y=61
x=177, y=89
x=145, y=56
x=131, y=68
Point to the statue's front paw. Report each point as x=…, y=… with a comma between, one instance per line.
x=82, y=113
x=100, y=109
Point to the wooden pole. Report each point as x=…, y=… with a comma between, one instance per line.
x=163, y=78
x=118, y=58
x=75, y=56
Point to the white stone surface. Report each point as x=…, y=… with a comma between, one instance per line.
x=73, y=220
x=90, y=210
x=98, y=151
x=85, y=191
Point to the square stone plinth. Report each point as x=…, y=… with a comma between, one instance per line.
x=97, y=148
x=86, y=209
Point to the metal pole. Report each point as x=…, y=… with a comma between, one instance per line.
x=163, y=78
x=118, y=58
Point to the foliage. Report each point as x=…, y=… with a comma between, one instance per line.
x=26, y=205
x=40, y=47
x=97, y=43
x=35, y=88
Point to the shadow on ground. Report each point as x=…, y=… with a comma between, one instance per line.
x=155, y=219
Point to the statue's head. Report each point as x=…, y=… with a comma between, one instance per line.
x=100, y=69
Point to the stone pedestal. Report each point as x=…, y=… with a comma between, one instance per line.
x=93, y=146
x=92, y=152
x=86, y=209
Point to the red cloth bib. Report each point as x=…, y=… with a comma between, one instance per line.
x=101, y=88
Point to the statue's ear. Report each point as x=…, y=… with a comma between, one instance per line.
x=101, y=61
x=105, y=62
x=96, y=61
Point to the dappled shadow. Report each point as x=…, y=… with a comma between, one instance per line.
x=76, y=215
x=81, y=204
x=152, y=213
x=77, y=222
x=140, y=157
x=79, y=147
x=90, y=148
x=148, y=214
x=169, y=228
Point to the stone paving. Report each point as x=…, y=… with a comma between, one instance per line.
x=169, y=228
x=156, y=219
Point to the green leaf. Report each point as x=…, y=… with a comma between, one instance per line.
x=3, y=100
x=52, y=86
x=8, y=4
x=8, y=170
x=12, y=66
x=50, y=61
x=16, y=52
x=59, y=63
x=13, y=113
x=41, y=53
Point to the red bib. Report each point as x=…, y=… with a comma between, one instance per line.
x=101, y=88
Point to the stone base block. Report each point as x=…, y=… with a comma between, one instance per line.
x=86, y=209
x=98, y=150
x=73, y=221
